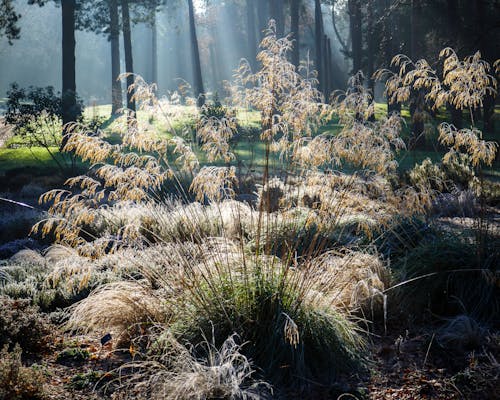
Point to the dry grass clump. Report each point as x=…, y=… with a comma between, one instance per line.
x=354, y=280
x=179, y=372
x=118, y=308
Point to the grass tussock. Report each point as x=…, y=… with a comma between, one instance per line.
x=178, y=372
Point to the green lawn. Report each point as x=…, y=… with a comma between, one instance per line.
x=249, y=153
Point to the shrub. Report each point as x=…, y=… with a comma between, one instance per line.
x=443, y=275
x=461, y=333
x=18, y=382
x=21, y=323
x=72, y=355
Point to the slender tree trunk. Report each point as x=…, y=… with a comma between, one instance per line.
x=251, y=34
x=370, y=60
x=213, y=65
x=277, y=13
x=356, y=34
x=154, y=50
x=452, y=13
x=263, y=15
x=327, y=65
x=318, y=34
x=343, y=44
x=129, y=61
x=389, y=48
x=295, y=28
x=198, y=79
x=116, y=87
x=70, y=109
x=68, y=61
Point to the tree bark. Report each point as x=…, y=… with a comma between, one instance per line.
x=452, y=12
x=129, y=61
x=251, y=34
x=116, y=87
x=263, y=16
x=295, y=28
x=370, y=59
x=389, y=48
x=318, y=35
x=69, y=105
x=277, y=13
x=154, y=50
x=356, y=34
x=343, y=44
x=199, y=91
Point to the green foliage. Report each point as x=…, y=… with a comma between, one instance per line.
x=215, y=109
x=72, y=355
x=288, y=338
x=442, y=275
x=86, y=380
x=25, y=105
x=18, y=382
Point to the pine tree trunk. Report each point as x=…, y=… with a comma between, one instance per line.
x=68, y=61
x=263, y=16
x=318, y=39
x=70, y=109
x=370, y=59
x=452, y=13
x=154, y=51
x=198, y=79
x=277, y=13
x=116, y=87
x=295, y=28
x=251, y=34
x=356, y=34
x=389, y=48
x=129, y=61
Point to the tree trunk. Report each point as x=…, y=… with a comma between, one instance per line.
x=129, y=61
x=327, y=64
x=199, y=91
x=116, y=87
x=295, y=28
x=356, y=34
x=389, y=48
x=251, y=35
x=154, y=51
x=370, y=59
x=343, y=44
x=69, y=111
x=263, y=16
x=318, y=39
x=277, y=13
x=452, y=12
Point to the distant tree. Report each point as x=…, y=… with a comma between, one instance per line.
x=295, y=29
x=198, y=79
x=8, y=21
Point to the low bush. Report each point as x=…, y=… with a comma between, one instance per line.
x=446, y=275
x=21, y=323
x=18, y=382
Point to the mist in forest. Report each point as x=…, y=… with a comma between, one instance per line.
x=35, y=58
